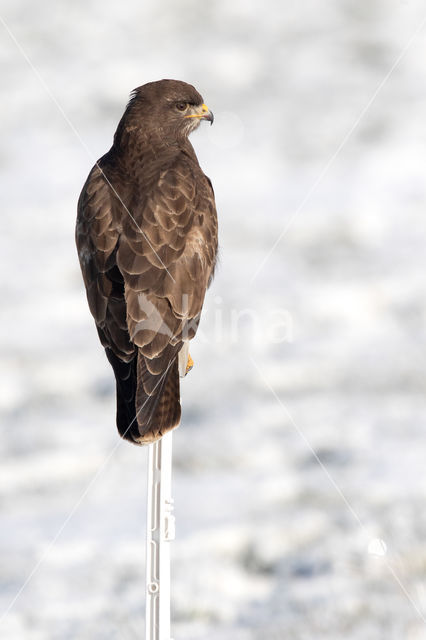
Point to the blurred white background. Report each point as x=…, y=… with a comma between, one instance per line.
x=293, y=456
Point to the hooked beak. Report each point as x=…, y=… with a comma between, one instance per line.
x=203, y=113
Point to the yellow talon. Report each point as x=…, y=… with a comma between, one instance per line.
x=189, y=364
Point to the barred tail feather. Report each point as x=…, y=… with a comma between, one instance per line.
x=147, y=406
x=158, y=409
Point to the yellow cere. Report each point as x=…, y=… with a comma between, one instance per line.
x=204, y=110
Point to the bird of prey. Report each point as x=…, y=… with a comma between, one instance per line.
x=146, y=236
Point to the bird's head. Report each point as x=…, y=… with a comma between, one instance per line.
x=167, y=109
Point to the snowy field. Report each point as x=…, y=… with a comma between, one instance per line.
x=300, y=475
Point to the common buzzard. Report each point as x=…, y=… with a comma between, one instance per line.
x=147, y=241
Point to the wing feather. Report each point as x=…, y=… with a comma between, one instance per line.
x=146, y=275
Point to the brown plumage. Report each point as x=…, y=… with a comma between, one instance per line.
x=147, y=242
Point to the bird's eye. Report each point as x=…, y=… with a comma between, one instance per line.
x=181, y=106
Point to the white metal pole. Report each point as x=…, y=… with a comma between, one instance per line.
x=160, y=531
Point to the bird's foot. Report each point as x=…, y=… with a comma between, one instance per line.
x=189, y=364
